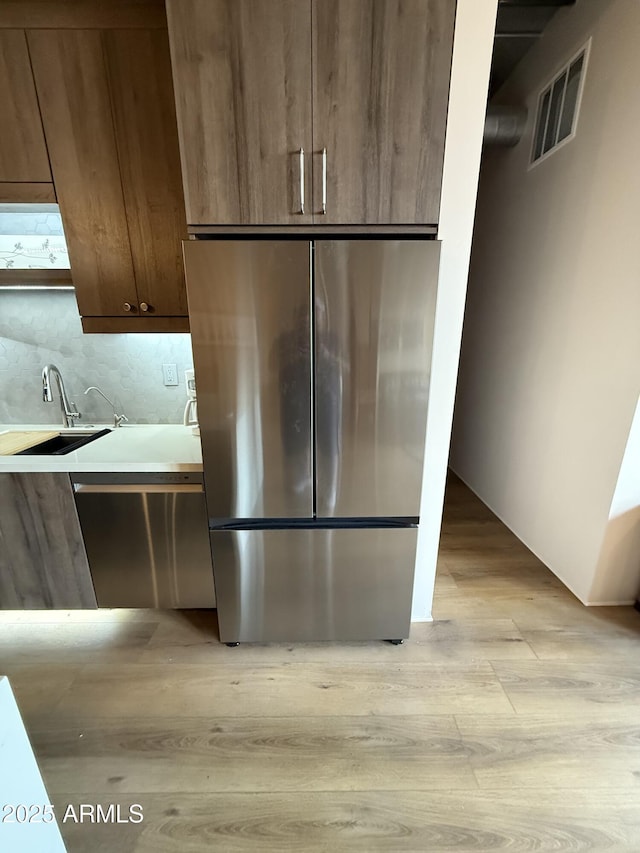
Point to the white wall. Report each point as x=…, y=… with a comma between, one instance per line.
x=550, y=366
x=472, y=49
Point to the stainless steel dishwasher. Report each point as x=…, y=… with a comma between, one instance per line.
x=147, y=539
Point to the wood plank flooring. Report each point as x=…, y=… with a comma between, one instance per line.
x=511, y=723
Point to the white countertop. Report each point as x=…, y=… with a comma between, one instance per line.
x=133, y=448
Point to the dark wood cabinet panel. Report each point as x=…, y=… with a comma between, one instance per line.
x=82, y=14
x=72, y=84
x=140, y=323
x=109, y=119
x=23, y=152
x=22, y=192
x=139, y=70
x=380, y=94
x=43, y=563
x=242, y=76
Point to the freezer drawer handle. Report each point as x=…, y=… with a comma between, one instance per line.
x=137, y=488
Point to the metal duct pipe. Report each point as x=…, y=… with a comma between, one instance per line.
x=504, y=125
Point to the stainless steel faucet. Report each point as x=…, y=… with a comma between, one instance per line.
x=70, y=411
x=117, y=419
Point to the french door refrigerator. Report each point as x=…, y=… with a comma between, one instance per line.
x=312, y=363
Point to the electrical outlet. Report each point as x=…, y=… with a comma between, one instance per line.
x=170, y=374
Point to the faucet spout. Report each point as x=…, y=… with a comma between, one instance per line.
x=117, y=419
x=47, y=396
x=69, y=410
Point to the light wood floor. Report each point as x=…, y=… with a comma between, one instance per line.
x=511, y=723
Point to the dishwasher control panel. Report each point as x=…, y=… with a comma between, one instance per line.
x=134, y=478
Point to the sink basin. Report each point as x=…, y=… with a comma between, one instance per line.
x=62, y=444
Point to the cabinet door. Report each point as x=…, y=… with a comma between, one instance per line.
x=23, y=152
x=147, y=138
x=43, y=563
x=380, y=91
x=242, y=76
x=73, y=90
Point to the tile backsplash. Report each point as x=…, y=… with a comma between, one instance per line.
x=42, y=327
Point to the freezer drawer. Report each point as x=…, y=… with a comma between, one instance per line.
x=148, y=545
x=300, y=585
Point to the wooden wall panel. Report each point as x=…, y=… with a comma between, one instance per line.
x=82, y=14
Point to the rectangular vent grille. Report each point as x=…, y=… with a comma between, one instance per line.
x=558, y=106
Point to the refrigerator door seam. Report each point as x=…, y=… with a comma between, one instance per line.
x=312, y=352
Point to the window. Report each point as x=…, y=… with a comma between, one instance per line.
x=31, y=237
x=558, y=107
x=33, y=251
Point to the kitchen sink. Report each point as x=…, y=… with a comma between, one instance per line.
x=64, y=443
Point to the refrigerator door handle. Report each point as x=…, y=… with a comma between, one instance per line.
x=408, y=521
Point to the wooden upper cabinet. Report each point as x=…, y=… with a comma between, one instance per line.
x=139, y=70
x=242, y=78
x=109, y=117
x=380, y=93
x=23, y=152
x=71, y=79
x=371, y=77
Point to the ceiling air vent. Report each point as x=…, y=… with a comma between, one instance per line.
x=558, y=106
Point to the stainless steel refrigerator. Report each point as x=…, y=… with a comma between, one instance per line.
x=312, y=362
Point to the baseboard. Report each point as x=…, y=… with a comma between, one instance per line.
x=414, y=621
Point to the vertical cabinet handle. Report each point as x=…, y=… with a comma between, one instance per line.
x=301, y=164
x=324, y=180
